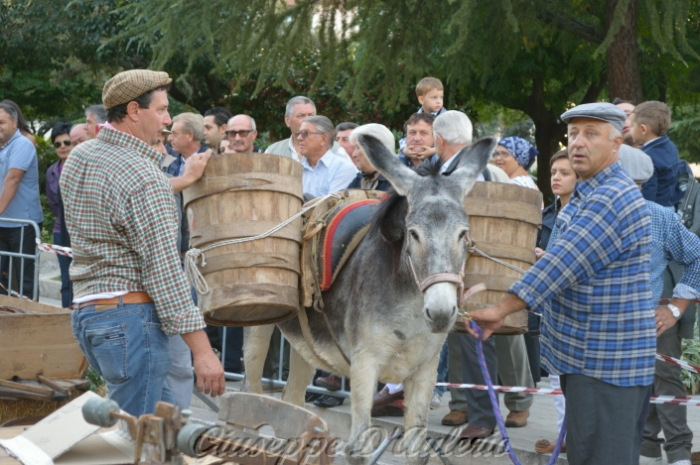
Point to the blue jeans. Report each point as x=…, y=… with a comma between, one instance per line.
x=66, y=283
x=442, y=369
x=127, y=346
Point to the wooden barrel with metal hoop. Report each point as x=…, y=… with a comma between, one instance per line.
x=244, y=195
x=503, y=223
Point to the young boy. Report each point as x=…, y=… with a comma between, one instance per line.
x=429, y=91
x=649, y=124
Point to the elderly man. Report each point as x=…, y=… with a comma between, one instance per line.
x=241, y=133
x=296, y=110
x=593, y=286
x=506, y=355
x=215, y=120
x=19, y=199
x=131, y=291
x=324, y=171
x=94, y=116
x=78, y=134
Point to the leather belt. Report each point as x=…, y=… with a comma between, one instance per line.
x=108, y=304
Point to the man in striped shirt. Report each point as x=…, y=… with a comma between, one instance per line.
x=131, y=292
x=593, y=287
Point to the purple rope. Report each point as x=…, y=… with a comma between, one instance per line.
x=497, y=409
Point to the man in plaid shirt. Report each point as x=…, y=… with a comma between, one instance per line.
x=593, y=286
x=131, y=292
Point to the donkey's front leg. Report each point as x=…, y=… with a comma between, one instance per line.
x=417, y=391
x=364, y=375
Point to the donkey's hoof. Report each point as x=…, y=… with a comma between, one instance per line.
x=355, y=454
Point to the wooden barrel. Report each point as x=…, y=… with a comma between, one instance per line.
x=244, y=195
x=503, y=223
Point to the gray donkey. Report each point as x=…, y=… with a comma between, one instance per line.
x=394, y=302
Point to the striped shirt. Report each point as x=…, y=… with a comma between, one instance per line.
x=122, y=220
x=593, y=285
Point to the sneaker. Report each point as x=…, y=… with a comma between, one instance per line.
x=681, y=462
x=650, y=460
x=435, y=401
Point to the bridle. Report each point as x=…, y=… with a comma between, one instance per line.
x=436, y=278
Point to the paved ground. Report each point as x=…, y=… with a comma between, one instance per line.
x=541, y=425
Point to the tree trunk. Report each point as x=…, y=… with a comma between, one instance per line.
x=624, y=80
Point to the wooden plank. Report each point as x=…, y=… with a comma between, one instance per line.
x=53, y=385
x=27, y=388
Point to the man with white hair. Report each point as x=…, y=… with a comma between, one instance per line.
x=505, y=356
x=78, y=134
x=94, y=116
x=241, y=133
x=670, y=240
x=324, y=171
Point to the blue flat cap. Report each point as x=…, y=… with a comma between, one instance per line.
x=600, y=110
x=637, y=163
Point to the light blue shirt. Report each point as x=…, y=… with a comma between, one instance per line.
x=670, y=240
x=331, y=174
x=19, y=153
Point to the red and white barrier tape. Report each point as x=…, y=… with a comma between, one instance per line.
x=53, y=248
x=690, y=401
x=680, y=363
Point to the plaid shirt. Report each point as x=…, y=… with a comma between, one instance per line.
x=122, y=220
x=593, y=284
x=670, y=240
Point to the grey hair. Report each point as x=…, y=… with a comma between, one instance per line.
x=98, y=111
x=614, y=132
x=324, y=125
x=454, y=127
x=379, y=131
x=10, y=110
x=191, y=122
x=299, y=99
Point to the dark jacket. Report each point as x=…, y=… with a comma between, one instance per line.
x=549, y=215
x=173, y=169
x=662, y=188
x=383, y=183
x=53, y=174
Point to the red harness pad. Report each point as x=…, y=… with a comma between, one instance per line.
x=345, y=228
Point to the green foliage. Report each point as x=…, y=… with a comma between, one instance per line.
x=97, y=383
x=691, y=354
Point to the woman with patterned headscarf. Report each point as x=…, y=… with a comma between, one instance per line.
x=515, y=156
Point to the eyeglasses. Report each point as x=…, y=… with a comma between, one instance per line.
x=305, y=134
x=66, y=143
x=242, y=133
x=500, y=154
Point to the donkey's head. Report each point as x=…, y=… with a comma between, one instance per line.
x=435, y=228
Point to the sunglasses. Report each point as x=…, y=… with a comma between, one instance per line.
x=66, y=143
x=242, y=133
x=305, y=134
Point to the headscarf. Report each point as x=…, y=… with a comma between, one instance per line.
x=522, y=150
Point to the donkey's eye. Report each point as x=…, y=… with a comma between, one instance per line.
x=463, y=234
x=414, y=234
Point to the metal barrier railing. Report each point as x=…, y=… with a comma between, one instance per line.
x=13, y=256
x=279, y=381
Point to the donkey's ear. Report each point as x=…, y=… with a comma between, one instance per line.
x=401, y=176
x=472, y=161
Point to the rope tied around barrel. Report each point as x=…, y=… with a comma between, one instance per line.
x=195, y=256
x=472, y=248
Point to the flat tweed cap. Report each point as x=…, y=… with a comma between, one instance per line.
x=637, y=163
x=128, y=85
x=600, y=110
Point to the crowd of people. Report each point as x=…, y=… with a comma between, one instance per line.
x=611, y=246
